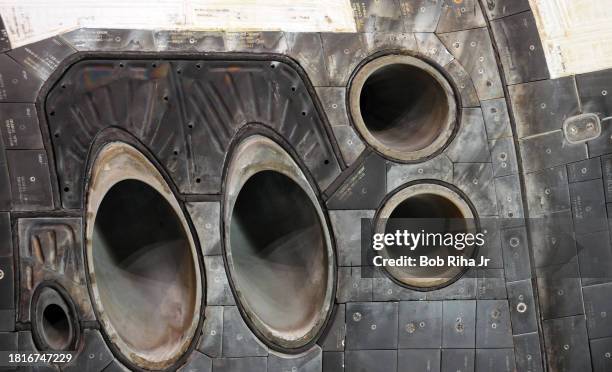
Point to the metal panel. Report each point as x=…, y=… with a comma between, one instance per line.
x=238, y=340
x=500, y=360
x=6, y=237
x=333, y=361
x=547, y=191
x=607, y=176
x=371, y=325
x=212, y=332
x=385, y=289
x=459, y=322
x=515, y=248
x=491, y=284
x=440, y=168
x=197, y=362
x=543, y=106
x=503, y=157
x=364, y=188
x=352, y=285
x=509, y=200
x=458, y=360
x=430, y=46
x=88, y=39
x=492, y=248
x=218, y=291
x=205, y=218
x=420, y=324
x=7, y=283
x=94, y=356
x=595, y=91
x=464, y=84
x=493, y=324
x=17, y=84
x=552, y=239
x=418, y=360
x=462, y=289
x=7, y=320
x=333, y=338
x=598, y=310
x=601, y=354
x=30, y=180
x=559, y=291
x=387, y=41
x=588, y=206
x=528, y=353
x=252, y=364
x=371, y=360
x=19, y=126
x=460, y=16
x=549, y=150
x=595, y=257
x=342, y=54
x=187, y=40
x=470, y=145
x=256, y=42
x=497, y=119
x=421, y=15
x=347, y=229
x=5, y=183
x=567, y=345
x=603, y=144
x=310, y=361
x=582, y=128
x=474, y=51
x=584, y=170
x=476, y=180
x=307, y=49
x=43, y=57
x=376, y=15
x=522, y=307
x=502, y=8
x=351, y=146
x=520, y=48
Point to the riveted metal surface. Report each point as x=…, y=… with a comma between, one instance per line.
x=459, y=324
x=497, y=120
x=598, y=310
x=371, y=325
x=493, y=324
x=364, y=188
x=501, y=360
x=606, y=164
x=502, y=8
x=552, y=239
x=333, y=338
x=588, y=206
x=473, y=49
x=476, y=181
x=559, y=291
x=520, y=48
x=522, y=307
x=594, y=90
x=503, y=157
x=492, y=248
x=543, y=106
x=430, y=46
x=420, y=325
x=19, y=126
x=461, y=15
x=595, y=257
x=421, y=15
x=310, y=361
x=603, y=144
x=51, y=249
x=491, y=284
x=18, y=84
x=248, y=364
x=547, y=191
x=5, y=183
x=385, y=41
x=6, y=237
x=509, y=201
x=458, y=360
x=218, y=291
x=342, y=54
x=601, y=352
x=385, y=289
x=185, y=40
x=440, y=168
x=470, y=145
x=371, y=360
x=43, y=57
x=464, y=84
x=93, y=354
x=515, y=248
x=211, y=340
x=89, y=39
x=307, y=49
x=351, y=146
x=7, y=283
x=585, y=170
x=347, y=229
x=376, y=15
x=549, y=150
x=567, y=345
x=256, y=42
x=419, y=360
x=462, y=289
x=197, y=362
x=527, y=352
x=352, y=285
x=238, y=340
x=205, y=217
x=333, y=361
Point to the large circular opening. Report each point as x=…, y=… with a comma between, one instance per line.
x=403, y=107
x=278, y=246
x=56, y=327
x=54, y=323
x=145, y=273
x=443, y=219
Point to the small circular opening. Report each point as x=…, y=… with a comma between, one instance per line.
x=278, y=247
x=56, y=327
x=403, y=107
x=427, y=209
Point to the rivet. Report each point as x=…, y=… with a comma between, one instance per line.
x=1, y=274
x=357, y=317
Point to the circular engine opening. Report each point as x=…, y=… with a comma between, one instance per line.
x=142, y=260
x=428, y=209
x=278, y=246
x=403, y=107
x=56, y=327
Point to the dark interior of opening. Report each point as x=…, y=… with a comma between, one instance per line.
x=144, y=267
x=56, y=327
x=279, y=252
x=428, y=213
x=404, y=107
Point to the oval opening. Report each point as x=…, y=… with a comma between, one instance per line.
x=56, y=327
x=427, y=209
x=403, y=107
x=144, y=269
